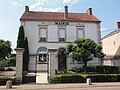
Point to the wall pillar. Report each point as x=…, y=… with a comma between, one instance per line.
x=52, y=64
x=19, y=63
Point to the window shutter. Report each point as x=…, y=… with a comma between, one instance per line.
x=43, y=32
x=80, y=33
x=61, y=33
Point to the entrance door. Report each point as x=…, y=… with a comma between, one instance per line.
x=61, y=60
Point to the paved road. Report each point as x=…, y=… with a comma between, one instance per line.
x=75, y=86
x=93, y=88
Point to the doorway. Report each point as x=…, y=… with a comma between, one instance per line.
x=61, y=59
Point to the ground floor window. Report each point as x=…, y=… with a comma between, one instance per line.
x=42, y=58
x=42, y=55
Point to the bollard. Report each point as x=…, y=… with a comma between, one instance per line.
x=9, y=84
x=89, y=81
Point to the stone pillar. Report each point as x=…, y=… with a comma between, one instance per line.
x=52, y=64
x=19, y=64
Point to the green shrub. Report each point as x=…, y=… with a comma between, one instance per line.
x=107, y=69
x=103, y=77
x=81, y=78
x=2, y=69
x=91, y=69
x=98, y=69
x=12, y=61
x=3, y=80
x=68, y=78
x=24, y=73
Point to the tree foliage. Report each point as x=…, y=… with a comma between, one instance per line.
x=11, y=61
x=22, y=42
x=21, y=38
x=26, y=56
x=5, y=49
x=84, y=50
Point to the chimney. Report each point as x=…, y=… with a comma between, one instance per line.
x=26, y=8
x=89, y=11
x=66, y=12
x=118, y=25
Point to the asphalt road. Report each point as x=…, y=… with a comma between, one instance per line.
x=73, y=86
x=93, y=88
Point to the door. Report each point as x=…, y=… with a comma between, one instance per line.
x=61, y=60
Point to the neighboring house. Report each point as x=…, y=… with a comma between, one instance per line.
x=48, y=34
x=111, y=47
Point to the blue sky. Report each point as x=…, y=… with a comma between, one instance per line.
x=108, y=11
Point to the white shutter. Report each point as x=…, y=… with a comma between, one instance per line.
x=80, y=33
x=43, y=32
x=61, y=33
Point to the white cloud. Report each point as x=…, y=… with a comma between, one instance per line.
x=55, y=9
x=46, y=5
x=69, y=1
x=17, y=3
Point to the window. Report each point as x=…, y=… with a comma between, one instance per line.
x=42, y=34
x=42, y=52
x=42, y=58
x=80, y=33
x=61, y=35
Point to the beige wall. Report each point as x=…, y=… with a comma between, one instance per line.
x=111, y=47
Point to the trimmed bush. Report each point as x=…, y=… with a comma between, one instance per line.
x=81, y=78
x=91, y=69
x=68, y=78
x=103, y=77
x=107, y=69
x=3, y=80
x=98, y=69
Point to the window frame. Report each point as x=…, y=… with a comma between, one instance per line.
x=42, y=52
x=61, y=39
x=77, y=32
x=42, y=39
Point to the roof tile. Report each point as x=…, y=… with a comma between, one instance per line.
x=57, y=16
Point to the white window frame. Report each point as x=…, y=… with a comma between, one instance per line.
x=62, y=39
x=42, y=51
x=42, y=39
x=82, y=29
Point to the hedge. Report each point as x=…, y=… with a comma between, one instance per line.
x=104, y=77
x=98, y=69
x=107, y=69
x=3, y=80
x=81, y=78
x=68, y=78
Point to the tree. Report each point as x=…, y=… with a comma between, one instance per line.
x=11, y=61
x=26, y=56
x=22, y=42
x=5, y=49
x=84, y=50
x=21, y=38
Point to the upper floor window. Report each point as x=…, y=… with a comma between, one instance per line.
x=61, y=34
x=42, y=34
x=80, y=33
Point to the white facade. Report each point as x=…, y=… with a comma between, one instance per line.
x=90, y=30
x=50, y=37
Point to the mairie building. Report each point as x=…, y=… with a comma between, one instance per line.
x=48, y=34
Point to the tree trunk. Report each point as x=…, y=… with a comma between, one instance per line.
x=85, y=67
